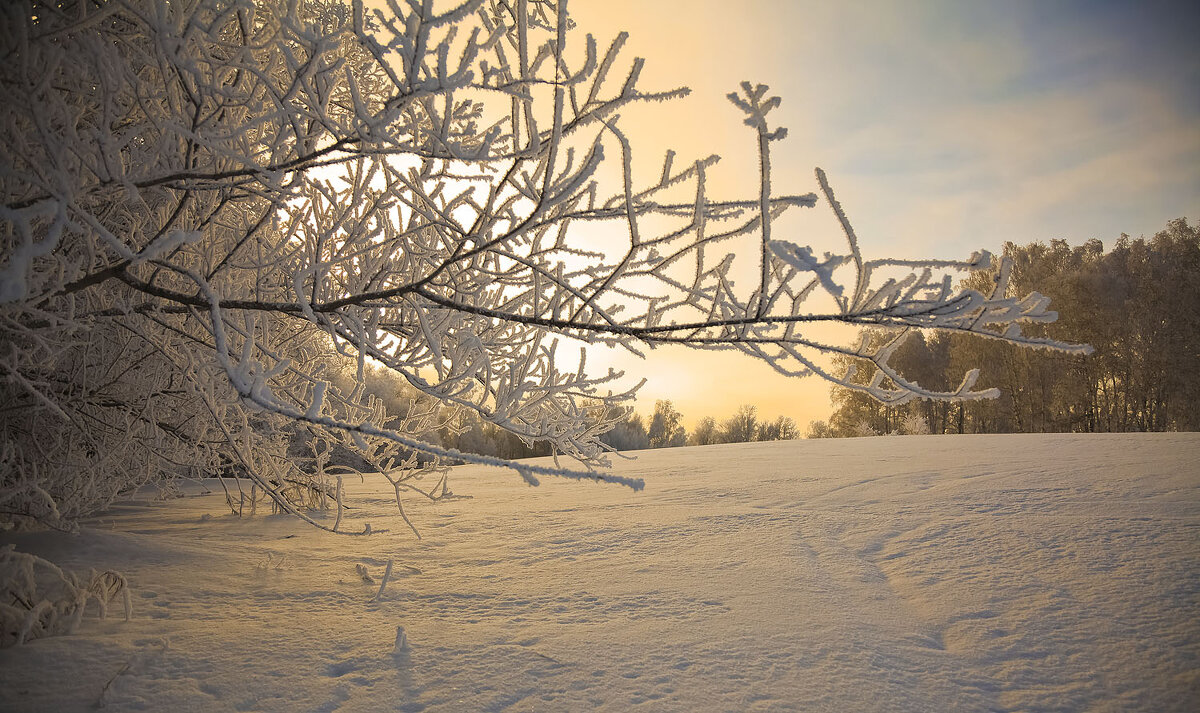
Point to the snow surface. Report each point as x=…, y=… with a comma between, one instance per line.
x=930, y=573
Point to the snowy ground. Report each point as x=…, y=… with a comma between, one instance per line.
x=938, y=573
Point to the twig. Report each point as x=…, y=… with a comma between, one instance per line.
x=386, y=574
x=100, y=702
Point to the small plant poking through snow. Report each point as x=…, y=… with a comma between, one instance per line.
x=38, y=599
x=387, y=574
x=271, y=563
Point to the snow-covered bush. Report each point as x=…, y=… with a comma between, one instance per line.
x=865, y=430
x=37, y=598
x=914, y=424
x=208, y=208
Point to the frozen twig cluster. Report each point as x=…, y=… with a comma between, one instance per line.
x=38, y=599
x=207, y=208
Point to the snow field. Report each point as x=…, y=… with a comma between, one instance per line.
x=967, y=573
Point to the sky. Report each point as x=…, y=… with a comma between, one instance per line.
x=945, y=127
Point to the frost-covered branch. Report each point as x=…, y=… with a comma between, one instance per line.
x=209, y=210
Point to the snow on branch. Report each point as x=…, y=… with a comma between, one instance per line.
x=219, y=220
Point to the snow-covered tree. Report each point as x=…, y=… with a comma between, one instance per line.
x=742, y=426
x=706, y=432
x=208, y=208
x=627, y=434
x=819, y=429
x=783, y=428
x=914, y=424
x=666, y=426
x=865, y=430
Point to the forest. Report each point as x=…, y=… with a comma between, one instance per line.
x=1137, y=304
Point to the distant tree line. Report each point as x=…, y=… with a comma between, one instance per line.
x=1138, y=305
x=435, y=423
x=665, y=429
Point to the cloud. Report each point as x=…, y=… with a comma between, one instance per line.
x=953, y=124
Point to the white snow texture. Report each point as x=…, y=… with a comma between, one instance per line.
x=922, y=573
